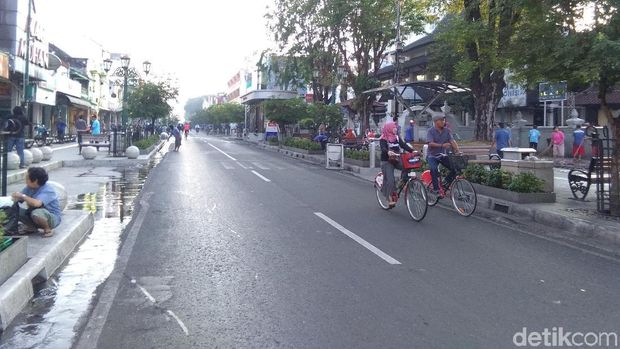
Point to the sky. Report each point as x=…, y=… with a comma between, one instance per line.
x=202, y=43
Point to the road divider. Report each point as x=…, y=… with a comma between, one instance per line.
x=358, y=239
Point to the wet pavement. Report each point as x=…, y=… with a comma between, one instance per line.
x=53, y=316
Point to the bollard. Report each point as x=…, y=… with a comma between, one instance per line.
x=373, y=155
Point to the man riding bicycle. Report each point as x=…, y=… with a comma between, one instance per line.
x=439, y=140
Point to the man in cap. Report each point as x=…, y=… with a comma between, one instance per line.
x=439, y=140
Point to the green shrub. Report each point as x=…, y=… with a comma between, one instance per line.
x=357, y=154
x=526, y=183
x=476, y=173
x=272, y=140
x=3, y=219
x=499, y=178
x=301, y=143
x=146, y=142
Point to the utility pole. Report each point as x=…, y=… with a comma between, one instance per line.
x=27, y=65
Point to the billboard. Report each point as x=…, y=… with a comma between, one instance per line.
x=552, y=91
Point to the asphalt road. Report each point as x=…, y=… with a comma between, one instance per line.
x=232, y=247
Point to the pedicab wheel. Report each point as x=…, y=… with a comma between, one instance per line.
x=432, y=197
x=463, y=197
x=416, y=199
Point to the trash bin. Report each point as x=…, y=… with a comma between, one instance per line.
x=119, y=143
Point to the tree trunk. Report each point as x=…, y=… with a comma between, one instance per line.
x=486, y=98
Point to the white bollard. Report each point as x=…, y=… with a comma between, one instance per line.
x=89, y=152
x=27, y=157
x=37, y=155
x=132, y=152
x=47, y=153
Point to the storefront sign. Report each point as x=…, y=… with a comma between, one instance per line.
x=44, y=96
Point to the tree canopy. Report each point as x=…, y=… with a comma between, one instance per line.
x=151, y=100
x=220, y=114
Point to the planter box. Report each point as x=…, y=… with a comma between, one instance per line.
x=304, y=151
x=13, y=258
x=519, y=198
x=150, y=149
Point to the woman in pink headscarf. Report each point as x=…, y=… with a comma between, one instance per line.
x=391, y=145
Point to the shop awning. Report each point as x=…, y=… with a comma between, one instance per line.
x=76, y=101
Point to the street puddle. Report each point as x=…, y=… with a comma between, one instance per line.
x=54, y=315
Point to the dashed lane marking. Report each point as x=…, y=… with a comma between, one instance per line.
x=221, y=151
x=358, y=239
x=261, y=176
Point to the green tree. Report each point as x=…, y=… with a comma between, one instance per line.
x=556, y=44
x=152, y=100
x=354, y=33
x=286, y=112
x=220, y=114
x=322, y=113
x=474, y=46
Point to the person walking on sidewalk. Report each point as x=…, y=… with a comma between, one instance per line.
x=43, y=210
x=579, y=136
x=534, y=137
x=61, y=126
x=501, y=139
x=557, y=142
x=80, y=127
x=95, y=127
x=409, y=132
x=18, y=140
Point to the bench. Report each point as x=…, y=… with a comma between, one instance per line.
x=580, y=180
x=97, y=141
x=357, y=144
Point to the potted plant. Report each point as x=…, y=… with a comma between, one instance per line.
x=13, y=252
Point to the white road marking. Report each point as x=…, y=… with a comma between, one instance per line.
x=242, y=165
x=181, y=324
x=259, y=165
x=227, y=165
x=146, y=293
x=221, y=151
x=358, y=239
x=261, y=176
x=214, y=206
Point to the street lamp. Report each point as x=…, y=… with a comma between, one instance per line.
x=146, y=66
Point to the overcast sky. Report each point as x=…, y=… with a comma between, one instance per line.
x=203, y=43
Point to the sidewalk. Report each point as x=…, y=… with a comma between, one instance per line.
x=46, y=255
x=575, y=218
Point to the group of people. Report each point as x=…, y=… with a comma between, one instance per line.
x=439, y=140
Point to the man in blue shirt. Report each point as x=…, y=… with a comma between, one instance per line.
x=409, y=132
x=534, y=135
x=579, y=137
x=95, y=127
x=439, y=139
x=501, y=139
x=42, y=200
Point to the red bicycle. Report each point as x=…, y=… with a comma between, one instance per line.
x=461, y=191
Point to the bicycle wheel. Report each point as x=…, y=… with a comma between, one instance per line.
x=381, y=199
x=463, y=197
x=432, y=198
x=416, y=199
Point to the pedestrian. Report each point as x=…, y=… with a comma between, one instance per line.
x=95, y=127
x=43, y=210
x=17, y=139
x=579, y=136
x=61, y=126
x=80, y=127
x=174, y=131
x=409, y=132
x=557, y=141
x=534, y=135
x=501, y=139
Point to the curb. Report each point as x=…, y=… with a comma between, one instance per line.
x=17, y=291
x=20, y=175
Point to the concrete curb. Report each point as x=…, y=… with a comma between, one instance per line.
x=18, y=289
x=20, y=175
